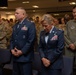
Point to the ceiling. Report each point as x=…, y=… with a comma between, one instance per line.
x=46, y=6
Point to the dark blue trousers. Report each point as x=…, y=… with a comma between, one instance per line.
x=1, y=72
x=49, y=71
x=1, y=69
x=21, y=68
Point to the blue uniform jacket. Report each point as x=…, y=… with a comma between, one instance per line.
x=53, y=49
x=23, y=37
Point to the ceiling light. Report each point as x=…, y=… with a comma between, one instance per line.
x=26, y=2
x=72, y=3
x=11, y=0
x=8, y=13
x=3, y=7
x=35, y=6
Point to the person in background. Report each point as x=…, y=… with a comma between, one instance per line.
x=3, y=34
x=56, y=22
x=51, y=47
x=62, y=24
x=38, y=29
x=8, y=31
x=11, y=22
x=3, y=41
x=70, y=36
x=22, y=43
x=67, y=18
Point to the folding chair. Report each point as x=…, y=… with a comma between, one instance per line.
x=5, y=57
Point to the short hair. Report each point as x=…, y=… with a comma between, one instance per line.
x=48, y=18
x=21, y=9
x=37, y=17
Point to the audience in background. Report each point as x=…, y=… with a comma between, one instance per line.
x=38, y=29
x=67, y=18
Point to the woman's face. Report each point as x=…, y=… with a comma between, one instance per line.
x=46, y=26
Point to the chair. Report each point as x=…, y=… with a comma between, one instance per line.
x=36, y=63
x=68, y=65
x=5, y=57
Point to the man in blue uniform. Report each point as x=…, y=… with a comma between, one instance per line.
x=51, y=47
x=22, y=43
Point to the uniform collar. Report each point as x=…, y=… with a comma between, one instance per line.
x=51, y=29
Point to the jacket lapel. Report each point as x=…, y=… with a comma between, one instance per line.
x=43, y=37
x=54, y=31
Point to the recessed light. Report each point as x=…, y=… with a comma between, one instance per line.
x=11, y=0
x=3, y=7
x=8, y=13
x=35, y=6
x=26, y=2
x=72, y=3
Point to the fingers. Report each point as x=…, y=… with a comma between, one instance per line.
x=16, y=52
x=46, y=62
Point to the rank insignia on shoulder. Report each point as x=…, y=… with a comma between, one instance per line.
x=60, y=29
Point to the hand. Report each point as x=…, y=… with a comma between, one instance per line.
x=14, y=52
x=46, y=62
x=19, y=52
x=72, y=46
